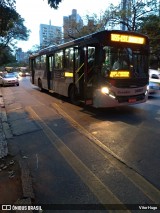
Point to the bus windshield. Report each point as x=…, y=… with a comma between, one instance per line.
x=128, y=62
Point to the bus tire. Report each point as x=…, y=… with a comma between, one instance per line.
x=40, y=85
x=73, y=96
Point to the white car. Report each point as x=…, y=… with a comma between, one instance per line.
x=154, y=81
x=9, y=79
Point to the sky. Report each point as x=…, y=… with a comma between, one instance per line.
x=36, y=12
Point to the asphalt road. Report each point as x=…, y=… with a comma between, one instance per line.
x=81, y=155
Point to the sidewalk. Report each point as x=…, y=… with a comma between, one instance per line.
x=15, y=180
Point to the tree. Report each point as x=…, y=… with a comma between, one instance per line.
x=127, y=16
x=54, y=3
x=7, y=17
x=6, y=56
x=11, y=28
x=8, y=3
x=17, y=32
x=129, y=13
x=94, y=23
x=150, y=26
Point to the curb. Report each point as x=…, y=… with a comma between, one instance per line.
x=3, y=141
x=5, y=124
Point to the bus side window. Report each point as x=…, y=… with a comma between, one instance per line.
x=43, y=62
x=58, y=60
x=105, y=55
x=50, y=66
x=91, y=57
x=38, y=63
x=50, y=63
x=91, y=61
x=43, y=65
x=77, y=58
x=68, y=58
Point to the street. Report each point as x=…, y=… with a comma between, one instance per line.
x=83, y=155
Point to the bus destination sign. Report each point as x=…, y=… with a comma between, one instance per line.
x=127, y=38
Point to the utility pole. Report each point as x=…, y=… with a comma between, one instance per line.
x=123, y=3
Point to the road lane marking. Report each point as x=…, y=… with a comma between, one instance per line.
x=37, y=160
x=158, y=113
x=101, y=191
x=145, y=186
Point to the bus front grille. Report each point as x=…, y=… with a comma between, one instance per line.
x=124, y=99
x=130, y=83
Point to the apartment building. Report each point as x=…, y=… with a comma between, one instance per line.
x=49, y=35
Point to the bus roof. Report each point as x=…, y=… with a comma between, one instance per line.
x=94, y=37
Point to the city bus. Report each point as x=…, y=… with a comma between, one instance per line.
x=104, y=69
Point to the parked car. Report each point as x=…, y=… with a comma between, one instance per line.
x=154, y=81
x=9, y=79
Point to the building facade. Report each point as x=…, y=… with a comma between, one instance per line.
x=49, y=35
x=21, y=56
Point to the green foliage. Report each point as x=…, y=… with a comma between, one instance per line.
x=93, y=24
x=11, y=29
x=150, y=26
x=6, y=56
x=54, y=3
x=138, y=15
x=8, y=3
x=130, y=13
x=7, y=18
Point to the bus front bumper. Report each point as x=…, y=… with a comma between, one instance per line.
x=101, y=100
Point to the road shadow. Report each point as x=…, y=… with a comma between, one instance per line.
x=130, y=114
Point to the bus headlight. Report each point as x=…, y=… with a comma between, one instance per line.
x=105, y=90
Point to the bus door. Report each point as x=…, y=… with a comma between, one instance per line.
x=32, y=67
x=89, y=74
x=79, y=56
x=50, y=72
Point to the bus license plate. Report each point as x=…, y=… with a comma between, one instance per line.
x=132, y=100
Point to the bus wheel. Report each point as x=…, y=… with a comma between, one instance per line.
x=73, y=95
x=40, y=85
